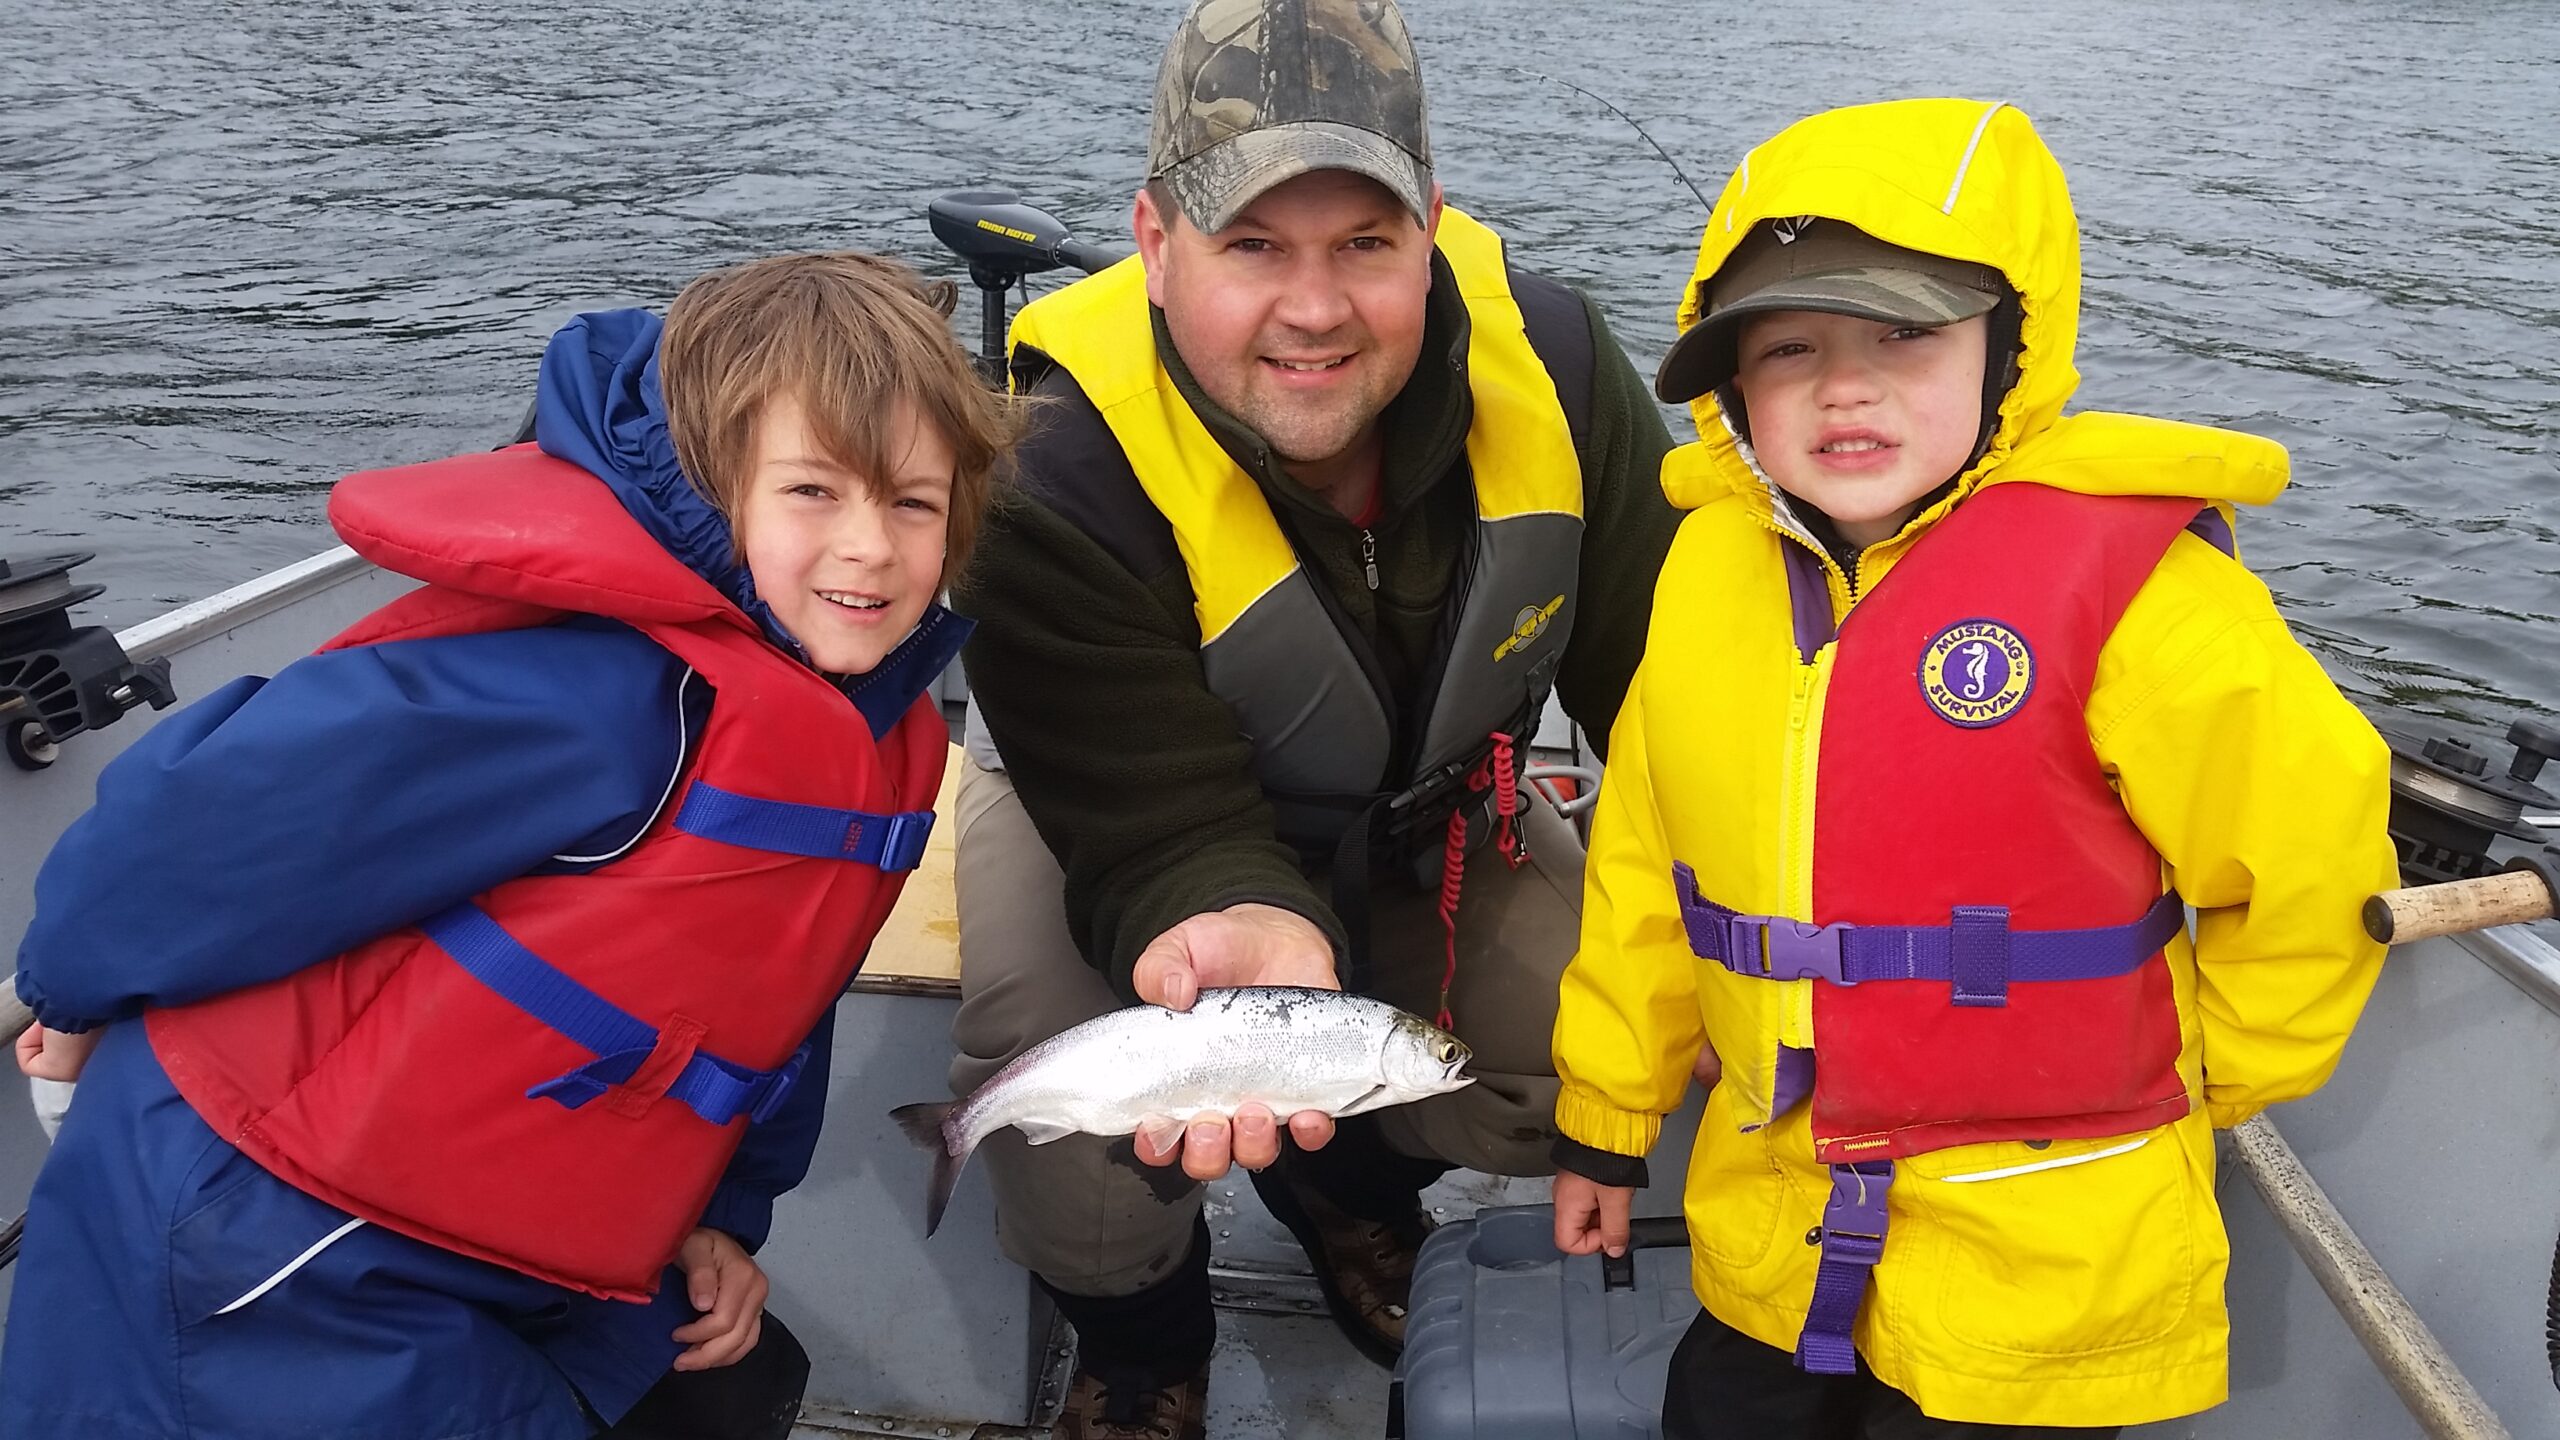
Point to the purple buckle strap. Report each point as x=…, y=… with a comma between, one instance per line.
x=1764, y=947
x=1852, y=1237
x=1976, y=950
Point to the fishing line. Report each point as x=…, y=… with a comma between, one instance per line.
x=1632, y=122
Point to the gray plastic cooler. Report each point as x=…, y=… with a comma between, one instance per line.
x=1509, y=1339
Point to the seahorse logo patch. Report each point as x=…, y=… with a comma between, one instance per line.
x=1977, y=673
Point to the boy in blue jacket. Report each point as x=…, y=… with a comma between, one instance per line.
x=484, y=1004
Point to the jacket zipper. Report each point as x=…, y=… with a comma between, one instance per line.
x=1369, y=559
x=1795, y=817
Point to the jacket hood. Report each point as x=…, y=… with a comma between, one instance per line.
x=597, y=405
x=1970, y=180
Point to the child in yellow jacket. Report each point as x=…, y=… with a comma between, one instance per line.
x=1952, y=706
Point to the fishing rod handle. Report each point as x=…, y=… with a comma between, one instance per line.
x=2422, y=912
x=15, y=1017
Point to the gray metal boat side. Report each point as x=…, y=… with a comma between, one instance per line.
x=2438, y=1139
x=947, y=1332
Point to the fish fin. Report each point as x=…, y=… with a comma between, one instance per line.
x=1041, y=1132
x=923, y=1123
x=1370, y=1099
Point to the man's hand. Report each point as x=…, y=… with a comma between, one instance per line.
x=725, y=1284
x=1591, y=1216
x=1240, y=945
x=52, y=1055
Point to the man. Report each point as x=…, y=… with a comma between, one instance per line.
x=1324, y=502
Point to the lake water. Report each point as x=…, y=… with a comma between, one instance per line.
x=245, y=249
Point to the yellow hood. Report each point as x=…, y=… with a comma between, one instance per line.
x=1970, y=180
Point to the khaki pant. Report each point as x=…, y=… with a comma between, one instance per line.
x=1081, y=1212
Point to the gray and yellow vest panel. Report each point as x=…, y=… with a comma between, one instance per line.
x=1323, y=739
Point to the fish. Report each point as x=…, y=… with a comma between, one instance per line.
x=1291, y=1047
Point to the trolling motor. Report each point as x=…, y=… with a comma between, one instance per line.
x=56, y=679
x=1004, y=241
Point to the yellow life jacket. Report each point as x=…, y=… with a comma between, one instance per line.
x=1324, y=737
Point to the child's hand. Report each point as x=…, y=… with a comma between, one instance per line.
x=1709, y=1068
x=727, y=1286
x=1591, y=1216
x=52, y=1055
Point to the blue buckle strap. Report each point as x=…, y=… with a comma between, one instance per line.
x=886, y=842
x=1977, y=950
x=717, y=1090
x=709, y=1086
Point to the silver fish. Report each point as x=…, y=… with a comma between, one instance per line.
x=1292, y=1048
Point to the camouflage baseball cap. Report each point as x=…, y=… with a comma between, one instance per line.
x=1255, y=92
x=1826, y=265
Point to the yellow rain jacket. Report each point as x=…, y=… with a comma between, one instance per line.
x=2075, y=1282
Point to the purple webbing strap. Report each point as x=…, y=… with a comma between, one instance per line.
x=1978, y=955
x=1853, y=1226
x=1977, y=950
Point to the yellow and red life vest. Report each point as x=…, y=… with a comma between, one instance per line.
x=1988, y=924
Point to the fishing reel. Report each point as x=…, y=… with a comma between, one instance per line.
x=57, y=680
x=1004, y=240
x=2448, y=810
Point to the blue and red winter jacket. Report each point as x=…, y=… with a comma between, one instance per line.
x=490, y=758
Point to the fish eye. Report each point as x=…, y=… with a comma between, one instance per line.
x=1445, y=1051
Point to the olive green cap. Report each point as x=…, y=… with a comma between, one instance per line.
x=1823, y=265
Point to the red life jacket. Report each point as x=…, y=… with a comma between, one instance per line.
x=1918, y=813
x=1988, y=921
x=554, y=1076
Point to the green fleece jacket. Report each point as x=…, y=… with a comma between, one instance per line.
x=1085, y=665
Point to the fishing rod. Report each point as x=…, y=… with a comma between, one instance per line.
x=2448, y=814
x=1708, y=205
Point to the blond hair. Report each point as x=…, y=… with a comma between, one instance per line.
x=849, y=336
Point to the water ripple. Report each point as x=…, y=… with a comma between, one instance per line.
x=246, y=249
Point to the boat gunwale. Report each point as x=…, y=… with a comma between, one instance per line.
x=2520, y=954
x=219, y=614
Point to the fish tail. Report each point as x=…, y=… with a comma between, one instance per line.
x=923, y=1123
